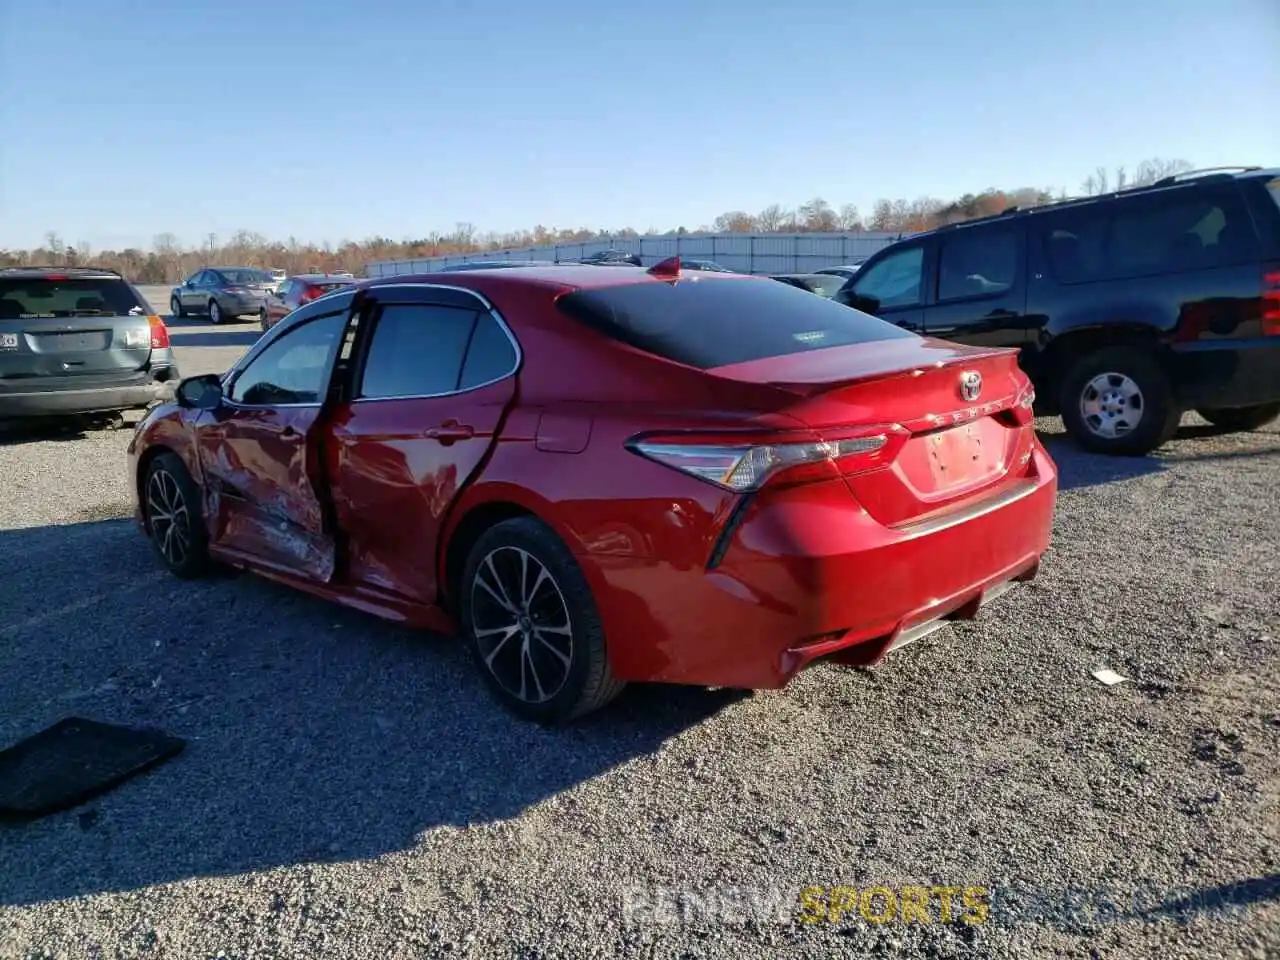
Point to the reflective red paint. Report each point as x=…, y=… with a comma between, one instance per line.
x=694, y=583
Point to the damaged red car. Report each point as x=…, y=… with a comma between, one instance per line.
x=602, y=476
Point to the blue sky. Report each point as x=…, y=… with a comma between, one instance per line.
x=328, y=120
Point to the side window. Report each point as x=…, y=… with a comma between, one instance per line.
x=1075, y=247
x=1191, y=230
x=416, y=350
x=282, y=293
x=294, y=368
x=491, y=355
x=977, y=262
x=894, y=281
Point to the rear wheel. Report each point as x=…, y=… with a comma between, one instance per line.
x=175, y=308
x=171, y=507
x=1242, y=418
x=1119, y=401
x=215, y=312
x=532, y=624
x=262, y=319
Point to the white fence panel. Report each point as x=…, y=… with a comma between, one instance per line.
x=746, y=253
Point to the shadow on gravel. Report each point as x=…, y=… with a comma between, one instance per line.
x=314, y=733
x=1079, y=468
x=60, y=429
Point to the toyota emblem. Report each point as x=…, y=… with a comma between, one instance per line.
x=970, y=385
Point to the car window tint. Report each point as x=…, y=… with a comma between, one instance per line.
x=416, y=351
x=1191, y=230
x=1075, y=247
x=78, y=297
x=294, y=367
x=894, y=281
x=975, y=263
x=490, y=356
x=711, y=322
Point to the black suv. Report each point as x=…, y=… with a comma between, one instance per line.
x=1129, y=307
x=78, y=341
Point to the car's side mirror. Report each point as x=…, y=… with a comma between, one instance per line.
x=200, y=393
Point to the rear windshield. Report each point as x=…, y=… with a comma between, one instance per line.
x=326, y=287
x=27, y=297
x=712, y=323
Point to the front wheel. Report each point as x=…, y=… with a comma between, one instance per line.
x=1242, y=418
x=1119, y=401
x=175, y=522
x=175, y=308
x=215, y=312
x=532, y=624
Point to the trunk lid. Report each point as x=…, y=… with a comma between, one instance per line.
x=953, y=444
x=51, y=326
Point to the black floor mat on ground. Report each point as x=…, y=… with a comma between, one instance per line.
x=73, y=761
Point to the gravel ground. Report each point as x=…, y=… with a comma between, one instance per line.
x=349, y=790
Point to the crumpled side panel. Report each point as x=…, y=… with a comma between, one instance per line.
x=252, y=509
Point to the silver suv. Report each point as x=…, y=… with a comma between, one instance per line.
x=79, y=341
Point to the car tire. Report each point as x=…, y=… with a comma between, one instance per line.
x=171, y=509
x=1241, y=418
x=175, y=308
x=263, y=320
x=532, y=624
x=1119, y=401
x=215, y=312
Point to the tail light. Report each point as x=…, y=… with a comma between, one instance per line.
x=309, y=294
x=159, y=333
x=1271, y=300
x=746, y=464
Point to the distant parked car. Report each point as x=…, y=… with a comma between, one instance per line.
x=1128, y=308
x=490, y=265
x=79, y=341
x=222, y=293
x=299, y=290
x=710, y=266
x=848, y=270
x=823, y=284
x=610, y=258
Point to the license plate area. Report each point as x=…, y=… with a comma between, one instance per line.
x=946, y=462
x=75, y=341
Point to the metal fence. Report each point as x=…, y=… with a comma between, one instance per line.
x=746, y=253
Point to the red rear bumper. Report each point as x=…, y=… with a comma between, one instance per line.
x=810, y=574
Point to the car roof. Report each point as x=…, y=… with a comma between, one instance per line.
x=322, y=276
x=1189, y=178
x=75, y=272
x=558, y=277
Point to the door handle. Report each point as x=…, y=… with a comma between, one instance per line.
x=449, y=432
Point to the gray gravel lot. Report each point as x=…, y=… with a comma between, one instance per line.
x=349, y=790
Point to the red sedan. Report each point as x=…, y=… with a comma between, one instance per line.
x=298, y=291
x=601, y=476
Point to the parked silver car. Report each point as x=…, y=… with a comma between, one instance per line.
x=221, y=293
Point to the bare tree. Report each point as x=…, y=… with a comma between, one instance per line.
x=1155, y=169
x=735, y=221
x=817, y=216
x=772, y=218
x=849, y=220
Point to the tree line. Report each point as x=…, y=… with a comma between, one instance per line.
x=168, y=260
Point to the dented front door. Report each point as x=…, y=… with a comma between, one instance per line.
x=261, y=467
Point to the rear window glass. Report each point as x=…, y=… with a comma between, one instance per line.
x=22, y=298
x=245, y=276
x=713, y=323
